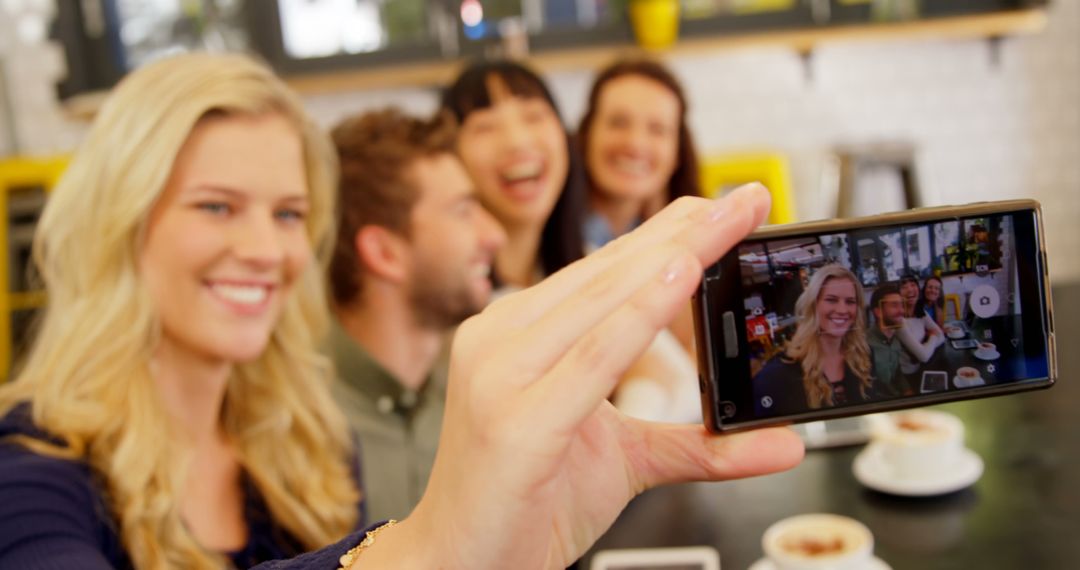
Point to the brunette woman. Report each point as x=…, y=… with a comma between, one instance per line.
x=639, y=154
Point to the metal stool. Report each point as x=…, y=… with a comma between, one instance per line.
x=852, y=160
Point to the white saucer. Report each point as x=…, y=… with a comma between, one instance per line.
x=992, y=355
x=965, y=383
x=766, y=564
x=871, y=471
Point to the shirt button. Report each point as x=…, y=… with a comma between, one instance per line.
x=385, y=404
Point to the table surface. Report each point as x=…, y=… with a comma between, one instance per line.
x=1023, y=513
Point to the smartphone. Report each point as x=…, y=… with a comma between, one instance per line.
x=829, y=319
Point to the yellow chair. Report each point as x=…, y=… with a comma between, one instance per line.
x=19, y=175
x=722, y=172
x=953, y=298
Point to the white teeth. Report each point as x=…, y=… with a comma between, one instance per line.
x=241, y=294
x=522, y=171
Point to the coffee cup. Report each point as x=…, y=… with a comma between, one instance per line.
x=954, y=332
x=917, y=444
x=818, y=542
x=968, y=374
x=987, y=347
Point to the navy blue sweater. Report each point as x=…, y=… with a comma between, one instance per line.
x=53, y=515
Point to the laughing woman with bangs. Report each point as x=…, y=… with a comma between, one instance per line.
x=518, y=153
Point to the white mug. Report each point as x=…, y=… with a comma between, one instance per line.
x=818, y=542
x=917, y=444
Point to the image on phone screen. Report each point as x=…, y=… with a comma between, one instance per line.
x=878, y=314
x=964, y=344
x=934, y=381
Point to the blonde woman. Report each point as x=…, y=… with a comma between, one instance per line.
x=176, y=364
x=827, y=362
x=174, y=414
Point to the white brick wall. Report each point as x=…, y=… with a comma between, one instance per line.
x=983, y=130
x=31, y=67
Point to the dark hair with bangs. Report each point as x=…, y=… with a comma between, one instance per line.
x=561, y=242
x=910, y=278
x=684, y=180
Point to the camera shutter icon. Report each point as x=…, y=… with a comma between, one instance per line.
x=985, y=301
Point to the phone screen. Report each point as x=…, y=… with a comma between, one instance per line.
x=936, y=310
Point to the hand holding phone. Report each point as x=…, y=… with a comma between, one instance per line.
x=855, y=305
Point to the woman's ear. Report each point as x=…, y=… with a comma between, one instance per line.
x=382, y=253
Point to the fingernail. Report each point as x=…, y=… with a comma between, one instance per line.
x=751, y=188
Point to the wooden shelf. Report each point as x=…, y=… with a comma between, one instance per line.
x=435, y=74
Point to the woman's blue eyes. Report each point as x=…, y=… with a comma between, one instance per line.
x=225, y=209
x=290, y=215
x=219, y=208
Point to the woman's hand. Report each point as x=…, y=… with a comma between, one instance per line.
x=533, y=463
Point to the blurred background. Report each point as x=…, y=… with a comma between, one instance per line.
x=843, y=106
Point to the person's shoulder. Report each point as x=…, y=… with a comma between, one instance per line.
x=780, y=375
x=20, y=465
x=874, y=337
x=50, y=507
x=24, y=470
x=779, y=368
x=778, y=387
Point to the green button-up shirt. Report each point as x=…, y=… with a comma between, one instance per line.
x=398, y=428
x=886, y=352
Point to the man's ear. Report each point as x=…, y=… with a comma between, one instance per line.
x=383, y=253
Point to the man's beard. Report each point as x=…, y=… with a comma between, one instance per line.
x=437, y=307
x=893, y=323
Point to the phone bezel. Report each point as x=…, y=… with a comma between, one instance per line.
x=717, y=295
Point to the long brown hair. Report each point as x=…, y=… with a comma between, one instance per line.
x=685, y=180
x=939, y=305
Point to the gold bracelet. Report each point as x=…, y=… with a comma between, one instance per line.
x=349, y=557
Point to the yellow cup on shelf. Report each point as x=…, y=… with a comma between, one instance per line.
x=655, y=22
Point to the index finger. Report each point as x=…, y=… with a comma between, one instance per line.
x=706, y=228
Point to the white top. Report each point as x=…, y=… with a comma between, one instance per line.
x=919, y=344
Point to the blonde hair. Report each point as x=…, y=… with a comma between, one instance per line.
x=805, y=348
x=88, y=378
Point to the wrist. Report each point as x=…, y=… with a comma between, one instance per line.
x=401, y=545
